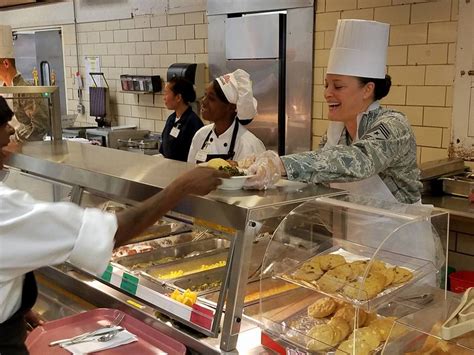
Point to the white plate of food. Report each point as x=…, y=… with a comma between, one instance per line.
x=234, y=182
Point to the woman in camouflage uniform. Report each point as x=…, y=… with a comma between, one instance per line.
x=367, y=148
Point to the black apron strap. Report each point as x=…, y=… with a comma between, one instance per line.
x=231, y=153
x=13, y=331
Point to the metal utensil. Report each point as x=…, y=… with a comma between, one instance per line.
x=109, y=336
x=101, y=331
x=92, y=337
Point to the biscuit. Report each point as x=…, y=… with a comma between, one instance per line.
x=371, y=316
x=367, y=335
x=348, y=313
x=344, y=271
x=308, y=272
x=347, y=347
x=330, y=282
x=365, y=289
x=324, y=337
x=383, y=326
x=389, y=276
x=330, y=261
x=341, y=327
x=322, y=308
x=378, y=265
x=358, y=267
x=402, y=275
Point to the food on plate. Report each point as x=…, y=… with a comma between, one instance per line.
x=348, y=313
x=188, y=297
x=322, y=308
x=331, y=282
x=216, y=163
x=347, y=347
x=383, y=325
x=232, y=170
x=330, y=261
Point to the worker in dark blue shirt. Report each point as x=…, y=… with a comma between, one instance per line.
x=181, y=125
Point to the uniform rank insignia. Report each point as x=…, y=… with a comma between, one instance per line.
x=378, y=132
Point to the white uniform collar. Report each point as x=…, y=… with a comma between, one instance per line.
x=227, y=135
x=335, y=128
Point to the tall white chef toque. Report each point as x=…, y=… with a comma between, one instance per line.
x=6, y=42
x=237, y=88
x=359, y=49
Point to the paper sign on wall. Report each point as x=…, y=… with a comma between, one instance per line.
x=92, y=65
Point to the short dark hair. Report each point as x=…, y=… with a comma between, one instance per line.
x=220, y=94
x=6, y=113
x=183, y=87
x=382, y=86
x=11, y=60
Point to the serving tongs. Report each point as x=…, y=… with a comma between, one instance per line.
x=461, y=320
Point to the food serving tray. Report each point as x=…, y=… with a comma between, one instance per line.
x=188, y=266
x=162, y=256
x=418, y=267
x=150, y=341
x=137, y=248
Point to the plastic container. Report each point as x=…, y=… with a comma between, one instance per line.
x=150, y=341
x=460, y=281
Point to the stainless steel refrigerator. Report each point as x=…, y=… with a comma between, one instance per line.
x=273, y=41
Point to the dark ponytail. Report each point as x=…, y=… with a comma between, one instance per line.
x=382, y=86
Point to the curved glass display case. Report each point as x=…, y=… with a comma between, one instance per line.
x=346, y=261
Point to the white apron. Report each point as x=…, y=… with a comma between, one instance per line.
x=413, y=239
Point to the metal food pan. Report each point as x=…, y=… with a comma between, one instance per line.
x=271, y=288
x=186, y=266
x=165, y=255
x=212, y=278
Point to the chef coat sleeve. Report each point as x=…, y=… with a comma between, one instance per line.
x=196, y=143
x=34, y=234
x=389, y=139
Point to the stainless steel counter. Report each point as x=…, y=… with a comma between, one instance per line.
x=119, y=173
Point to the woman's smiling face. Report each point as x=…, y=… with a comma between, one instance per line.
x=213, y=108
x=346, y=97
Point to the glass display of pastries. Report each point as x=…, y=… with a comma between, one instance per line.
x=348, y=256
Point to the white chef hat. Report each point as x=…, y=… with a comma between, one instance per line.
x=359, y=49
x=6, y=42
x=237, y=88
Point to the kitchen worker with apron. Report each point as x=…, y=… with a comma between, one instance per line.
x=229, y=104
x=34, y=234
x=183, y=123
x=368, y=149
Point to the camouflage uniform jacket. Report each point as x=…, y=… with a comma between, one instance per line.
x=32, y=114
x=386, y=147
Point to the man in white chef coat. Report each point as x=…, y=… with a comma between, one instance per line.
x=34, y=234
x=31, y=113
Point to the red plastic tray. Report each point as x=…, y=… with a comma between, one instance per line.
x=150, y=340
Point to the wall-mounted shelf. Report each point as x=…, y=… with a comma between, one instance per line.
x=138, y=93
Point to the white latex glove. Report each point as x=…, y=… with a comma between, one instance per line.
x=247, y=161
x=266, y=169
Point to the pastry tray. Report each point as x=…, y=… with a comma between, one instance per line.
x=420, y=268
x=290, y=324
x=150, y=340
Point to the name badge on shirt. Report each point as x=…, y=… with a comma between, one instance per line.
x=201, y=155
x=174, y=132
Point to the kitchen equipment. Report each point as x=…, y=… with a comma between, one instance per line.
x=99, y=101
x=109, y=136
x=459, y=185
